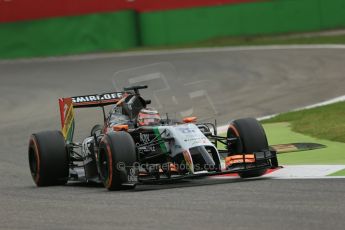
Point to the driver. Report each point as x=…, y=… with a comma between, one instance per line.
x=148, y=117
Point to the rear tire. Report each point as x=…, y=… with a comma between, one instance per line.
x=48, y=158
x=117, y=150
x=251, y=138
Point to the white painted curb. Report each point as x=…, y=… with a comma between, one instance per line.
x=297, y=172
x=305, y=171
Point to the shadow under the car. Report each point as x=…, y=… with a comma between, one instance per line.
x=193, y=183
x=185, y=183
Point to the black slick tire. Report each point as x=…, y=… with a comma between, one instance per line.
x=117, y=152
x=48, y=158
x=251, y=138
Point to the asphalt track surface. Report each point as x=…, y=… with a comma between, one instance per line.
x=237, y=83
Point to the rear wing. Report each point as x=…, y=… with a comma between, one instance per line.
x=68, y=104
x=96, y=100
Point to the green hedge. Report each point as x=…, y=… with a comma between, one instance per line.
x=260, y=18
x=127, y=29
x=69, y=35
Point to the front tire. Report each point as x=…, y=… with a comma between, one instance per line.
x=117, y=152
x=48, y=158
x=251, y=137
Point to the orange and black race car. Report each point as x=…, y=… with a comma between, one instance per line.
x=135, y=145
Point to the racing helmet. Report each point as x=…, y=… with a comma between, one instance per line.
x=148, y=116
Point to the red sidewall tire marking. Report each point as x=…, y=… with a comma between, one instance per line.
x=110, y=165
x=233, y=128
x=34, y=142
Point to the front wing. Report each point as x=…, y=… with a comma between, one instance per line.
x=262, y=161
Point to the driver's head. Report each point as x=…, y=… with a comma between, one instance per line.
x=148, y=116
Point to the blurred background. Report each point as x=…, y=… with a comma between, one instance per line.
x=31, y=28
x=220, y=83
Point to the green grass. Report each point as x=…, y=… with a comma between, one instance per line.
x=324, y=125
x=256, y=40
x=272, y=40
x=326, y=122
x=281, y=133
x=339, y=173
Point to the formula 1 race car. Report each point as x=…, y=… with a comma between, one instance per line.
x=135, y=146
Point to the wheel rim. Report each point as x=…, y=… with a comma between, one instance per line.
x=103, y=166
x=33, y=162
x=235, y=147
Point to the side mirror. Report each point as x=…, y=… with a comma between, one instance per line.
x=120, y=127
x=190, y=119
